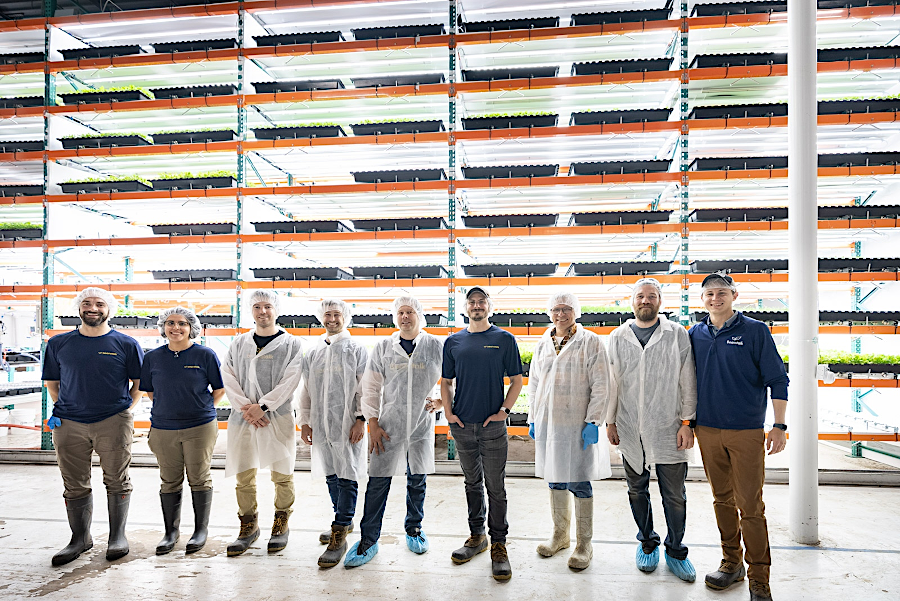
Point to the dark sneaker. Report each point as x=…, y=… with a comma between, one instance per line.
x=759, y=591
x=500, y=567
x=727, y=574
x=475, y=544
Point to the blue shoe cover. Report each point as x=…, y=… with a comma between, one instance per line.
x=353, y=559
x=646, y=562
x=417, y=544
x=683, y=568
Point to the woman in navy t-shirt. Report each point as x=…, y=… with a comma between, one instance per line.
x=184, y=383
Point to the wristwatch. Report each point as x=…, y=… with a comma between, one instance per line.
x=361, y=418
x=505, y=409
x=782, y=427
x=264, y=407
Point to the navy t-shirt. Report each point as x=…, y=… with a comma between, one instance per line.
x=478, y=361
x=181, y=386
x=93, y=374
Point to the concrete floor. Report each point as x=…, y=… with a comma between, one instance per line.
x=856, y=559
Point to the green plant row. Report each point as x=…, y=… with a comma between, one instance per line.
x=132, y=177
x=522, y=114
x=128, y=88
x=374, y=121
x=848, y=358
x=322, y=124
x=19, y=225
x=109, y=178
x=108, y=135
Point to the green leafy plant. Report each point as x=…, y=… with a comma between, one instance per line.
x=19, y=225
x=107, y=135
x=526, y=352
x=128, y=88
x=522, y=403
x=192, y=130
x=201, y=175
x=109, y=178
x=375, y=121
x=606, y=309
x=322, y=124
x=833, y=357
x=522, y=114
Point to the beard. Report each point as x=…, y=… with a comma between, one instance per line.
x=646, y=313
x=93, y=320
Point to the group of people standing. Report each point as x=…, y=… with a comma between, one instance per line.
x=369, y=414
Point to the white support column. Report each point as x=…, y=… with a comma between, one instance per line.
x=803, y=275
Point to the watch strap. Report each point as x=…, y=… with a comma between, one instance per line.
x=782, y=427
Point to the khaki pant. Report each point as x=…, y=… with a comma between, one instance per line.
x=734, y=461
x=189, y=450
x=246, y=492
x=75, y=442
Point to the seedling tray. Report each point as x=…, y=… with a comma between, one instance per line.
x=738, y=163
x=614, y=268
x=740, y=111
x=508, y=24
x=401, y=272
x=863, y=212
x=703, y=61
x=297, y=321
x=15, y=102
x=397, y=127
x=194, y=275
x=510, y=270
x=299, y=227
x=510, y=320
x=21, y=58
x=509, y=122
x=194, y=91
x=195, y=137
x=837, y=55
x=272, y=87
x=312, y=37
x=739, y=8
x=398, y=31
x=492, y=221
x=302, y=273
x=387, y=81
x=622, y=16
x=508, y=171
x=102, y=97
x=740, y=214
x=380, y=320
x=859, y=159
x=193, y=183
x=98, y=187
x=409, y=223
x=291, y=133
x=399, y=175
x=623, y=116
x=133, y=321
x=20, y=234
x=194, y=229
x=103, y=142
x=740, y=266
x=863, y=264
x=26, y=190
x=509, y=73
x=619, y=217
x=194, y=46
x=639, y=65
x=619, y=167
x=216, y=320
x=75, y=54
x=847, y=107
x=12, y=146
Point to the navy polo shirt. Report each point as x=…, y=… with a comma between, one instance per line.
x=181, y=386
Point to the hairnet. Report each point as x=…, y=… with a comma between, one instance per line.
x=189, y=315
x=333, y=304
x=105, y=295
x=646, y=282
x=409, y=301
x=564, y=298
x=487, y=297
x=267, y=296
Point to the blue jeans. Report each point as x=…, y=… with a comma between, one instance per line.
x=671, y=486
x=582, y=490
x=376, y=500
x=482, y=456
x=343, y=497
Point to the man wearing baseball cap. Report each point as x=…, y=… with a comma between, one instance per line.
x=737, y=363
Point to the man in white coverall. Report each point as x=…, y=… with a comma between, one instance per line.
x=261, y=372
x=568, y=387
x=332, y=421
x=396, y=390
x=650, y=420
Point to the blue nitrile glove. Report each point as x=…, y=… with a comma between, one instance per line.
x=590, y=434
x=531, y=430
x=53, y=422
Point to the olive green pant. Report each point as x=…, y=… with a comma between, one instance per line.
x=184, y=451
x=111, y=438
x=246, y=492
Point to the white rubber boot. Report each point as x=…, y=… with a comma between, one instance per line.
x=584, y=531
x=561, y=509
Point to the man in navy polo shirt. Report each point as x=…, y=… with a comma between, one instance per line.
x=475, y=362
x=92, y=375
x=737, y=363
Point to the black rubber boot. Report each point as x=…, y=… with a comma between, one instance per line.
x=247, y=536
x=337, y=546
x=80, y=512
x=727, y=574
x=118, y=515
x=202, y=500
x=280, y=532
x=325, y=537
x=171, y=508
x=475, y=544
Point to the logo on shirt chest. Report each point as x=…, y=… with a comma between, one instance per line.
x=735, y=340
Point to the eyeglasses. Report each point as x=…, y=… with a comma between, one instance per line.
x=561, y=310
x=179, y=324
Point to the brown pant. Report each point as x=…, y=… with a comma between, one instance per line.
x=246, y=492
x=734, y=461
x=111, y=438
x=189, y=450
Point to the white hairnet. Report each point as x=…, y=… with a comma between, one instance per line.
x=267, y=296
x=105, y=295
x=333, y=304
x=189, y=315
x=409, y=301
x=564, y=298
x=646, y=282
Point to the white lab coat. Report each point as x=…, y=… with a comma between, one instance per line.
x=329, y=404
x=270, y=378
x=566, y=391
x=394, y=388
x=654, y=388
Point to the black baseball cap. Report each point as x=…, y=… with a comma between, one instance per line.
x=475, y=289
x=715, y=278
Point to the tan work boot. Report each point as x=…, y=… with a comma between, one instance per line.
x=475, y=544
x=337, y=546
x=584, y=531
x=727, y=574
x=500, y=568
x=561, y=510
x=280, y=531
x=247, y=536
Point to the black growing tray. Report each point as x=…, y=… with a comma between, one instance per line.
x=862, y=212
x=623, y=116
x=619, y=167
x=848, y=107
x=864, y=264
x=299, y=227
x=195, y=275
x=619, y=268
x=825, y=4
x=509, y=320
x=409, y=223
x=195, y=91
x=509, y=122
x=307, y=85
x=23, y=356
x=294, y=133
x=739, y=8
x=21, y=146
x=860, y=316
x=376, y=320
x=837, y=55
x=29, y=234
x=492, y=221
x=102, y=97
x=859, y=159
x=740, y=214
x=15, y=102
x=508, y=24
x=436, y=319
x=704, y=61
x=739, y=266
x=195, y=137
x=399, y=175
x=398, y=31
x=21, y=58
x=102, y=142
x=509, y=73
x=619, y=217
x=639, y=65
x=25, y=190
x=133, y=321
x=75, y=54
x=223, y=414
x=622, y=16
x=193, y=183
x=740, y=111
x=194, y=46
x=302, y=273
x=606, y=318
x=388, y=81
x=312, y=37
x=216, y=320
x=401, y=272
x=297, y=321
x=97, y=187
x=502, y=270
x=740, y=163
x=68, y=320
x=507, y=171
x=194, y=229
x=864, y=368
x=397, y=127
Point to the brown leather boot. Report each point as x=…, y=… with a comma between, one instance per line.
x=280, y=531
x=247, y=536
x=337, y=546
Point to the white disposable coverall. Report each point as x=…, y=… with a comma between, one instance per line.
x=654, y=388
x=329, y=404
x=566, y=391
x=268, y=378
x=394, y=388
